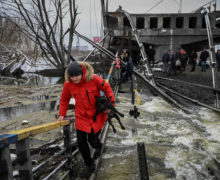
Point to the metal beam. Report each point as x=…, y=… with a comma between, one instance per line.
x=213, y=60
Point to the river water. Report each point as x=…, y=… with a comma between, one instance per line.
x=178, y=145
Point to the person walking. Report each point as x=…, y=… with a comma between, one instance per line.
x=165, y=59
x=183, y=59
x=203, y=58
x=193, y=57
x=128, y=70
x=172, y=63
x=83, y=85
x=151, y=54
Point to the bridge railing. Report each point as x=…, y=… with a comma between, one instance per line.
x=21, y=140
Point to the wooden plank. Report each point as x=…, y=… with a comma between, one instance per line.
x=24, y=133
x=6, y=139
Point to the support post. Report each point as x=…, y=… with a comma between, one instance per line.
x=67, y=146
x=24, y=160
x=142, y=161
x=5, y=164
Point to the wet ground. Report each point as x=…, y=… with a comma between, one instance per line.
x=178, y=145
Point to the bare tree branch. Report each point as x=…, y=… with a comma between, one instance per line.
x=45, y=25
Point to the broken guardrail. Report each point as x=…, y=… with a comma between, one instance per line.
x=21, y=139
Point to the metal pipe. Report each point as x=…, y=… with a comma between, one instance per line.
x=213, y=61
x=95, y=48
x=63, y=177
x=56, y=169
x=48, y=160
x=105, y=51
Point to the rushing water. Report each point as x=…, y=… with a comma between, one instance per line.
x=178, y=145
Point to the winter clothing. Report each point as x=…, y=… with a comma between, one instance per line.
x=165, y=59
x=172, y=64
x=74, y=69
x=117, y=65
x=193, y=58
x=151, y=54
x=183, y=59
x=84, y=94
x=128, y=70
x=203, y=57
x=87, y=171
x=83, y=146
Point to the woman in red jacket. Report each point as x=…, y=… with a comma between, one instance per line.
x=83, y=85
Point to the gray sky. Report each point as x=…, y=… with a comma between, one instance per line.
x=90, y=11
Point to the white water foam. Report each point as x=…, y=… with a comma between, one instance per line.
x=177, y=159
x=156, y=105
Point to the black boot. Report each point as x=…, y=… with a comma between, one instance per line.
x=87, y=171
x=97, y=153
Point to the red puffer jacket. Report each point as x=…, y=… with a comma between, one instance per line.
x=85, y=103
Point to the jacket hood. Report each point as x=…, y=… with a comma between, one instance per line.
x=87, y=69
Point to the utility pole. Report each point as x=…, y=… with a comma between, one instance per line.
x=77, y=44
x=104, y=14
x=180, y=8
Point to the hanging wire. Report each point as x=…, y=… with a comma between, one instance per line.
x=90, y=18
x=154, y=6
x=96, y=18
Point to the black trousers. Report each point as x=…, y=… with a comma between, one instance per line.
x=82, y=140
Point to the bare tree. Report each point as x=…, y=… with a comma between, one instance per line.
x=50, y=24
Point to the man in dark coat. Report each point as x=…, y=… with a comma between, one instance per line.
x=172, y=63
x=193, y=57
x=183, y=59
x=203, y=58
x=151, y=54
x=128, y=70
x=165, y=59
